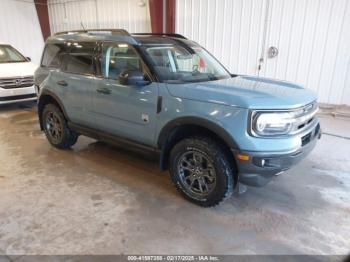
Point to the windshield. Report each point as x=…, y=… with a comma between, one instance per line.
x=178, y=64
x=10, y=55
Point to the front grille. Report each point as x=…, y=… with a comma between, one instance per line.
x=304, y=118
x=20, y=97
x=16, y=82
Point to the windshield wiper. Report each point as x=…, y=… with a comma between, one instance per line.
x=212, y=76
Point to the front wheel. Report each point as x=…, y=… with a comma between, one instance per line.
x=201, y=171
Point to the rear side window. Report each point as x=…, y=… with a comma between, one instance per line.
x=80, y=59
x=52, y=55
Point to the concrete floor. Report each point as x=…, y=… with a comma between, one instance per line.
x=96, y=199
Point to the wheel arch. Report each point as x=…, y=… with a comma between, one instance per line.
x=183, y=127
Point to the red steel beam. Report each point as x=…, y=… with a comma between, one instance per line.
x=43, y=15
x=156, y=11
x=170, y=16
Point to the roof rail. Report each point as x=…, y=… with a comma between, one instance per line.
x=113, y=31
x=162, y=34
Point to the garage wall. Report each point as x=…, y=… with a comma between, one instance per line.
x=126, y=14
x=230, y=29
x=312, y=37
x=20, y=27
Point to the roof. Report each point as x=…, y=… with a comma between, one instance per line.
x=90, y=35
x=118, y=35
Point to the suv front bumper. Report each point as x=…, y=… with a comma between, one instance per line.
x=15, y=95
x=262, y=167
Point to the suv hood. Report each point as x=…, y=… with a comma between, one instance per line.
x=17, y=69
x=247, y=92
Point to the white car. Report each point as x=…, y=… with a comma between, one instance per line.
x=16, y=76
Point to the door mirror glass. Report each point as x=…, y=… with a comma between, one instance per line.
x=133, y=78
x=28, y=59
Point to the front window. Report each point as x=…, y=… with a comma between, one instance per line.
x=118, y=59
x=180, y=64
x=10, y=55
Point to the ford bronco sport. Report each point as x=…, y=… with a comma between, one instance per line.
x=167, y=94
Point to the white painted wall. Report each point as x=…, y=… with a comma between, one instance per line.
x=19, y=27
x=125, y=14
x=313, y=38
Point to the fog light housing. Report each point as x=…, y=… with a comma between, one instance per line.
x=261, y=162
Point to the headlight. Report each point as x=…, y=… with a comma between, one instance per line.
x=272, y=123
x=278, y=123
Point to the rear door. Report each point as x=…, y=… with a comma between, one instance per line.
x=78, y=82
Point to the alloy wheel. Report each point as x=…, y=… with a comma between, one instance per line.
x=197, y=173
x=54, y=127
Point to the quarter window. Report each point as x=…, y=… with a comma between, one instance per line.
x=52, y=55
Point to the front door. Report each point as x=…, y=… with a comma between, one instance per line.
x=122, y=110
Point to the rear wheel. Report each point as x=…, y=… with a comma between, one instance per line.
x=201, y=171
x=56, y=128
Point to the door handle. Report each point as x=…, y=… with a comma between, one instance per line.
x=62, y=83
x=103, y=90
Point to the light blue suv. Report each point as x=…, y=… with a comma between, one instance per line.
x=166, y=94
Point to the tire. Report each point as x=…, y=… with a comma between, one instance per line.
x=201, y=172
x=56, y=128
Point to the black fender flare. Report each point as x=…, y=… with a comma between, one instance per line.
x=213, y=127
x=171, y=127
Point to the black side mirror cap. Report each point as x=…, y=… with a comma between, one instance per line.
x=133, y=78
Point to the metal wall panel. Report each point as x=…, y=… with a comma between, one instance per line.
x=312, y=36
x=76, y=14
x=313, y=39
x=20, y=27
x=231, y=30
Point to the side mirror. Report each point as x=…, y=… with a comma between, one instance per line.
x=28, y=59
x=133, y=78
